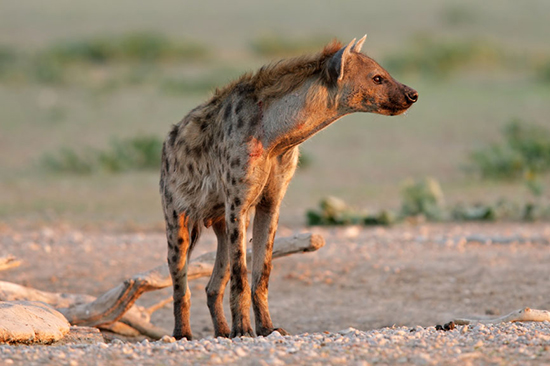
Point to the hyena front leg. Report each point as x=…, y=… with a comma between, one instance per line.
x=263, y=235
x=177, y=233
x=218, y=280
x=236, y=221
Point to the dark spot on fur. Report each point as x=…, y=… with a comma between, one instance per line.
x=234, y=235
x=228, y=176
x=239, y=107
x=232, y=206
x=240, y=122
x=180, y=240
x=196, y=151
x=227, y=111
x=235, y=162
x=232, y=218
x=233, y=181
x=190, y=168
x=173, y=135
x=175, y=215
x=229, y=129
x=204, y=125
x=166, y=165
x=174, y=258
x=168, y=197
x=237, y=201
x=176, y=287
x=176, y=248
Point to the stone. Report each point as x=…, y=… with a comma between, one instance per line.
x=31, y=322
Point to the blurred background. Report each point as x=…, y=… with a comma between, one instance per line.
x=88, y=90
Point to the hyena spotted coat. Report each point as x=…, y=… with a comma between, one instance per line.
x=238, y=151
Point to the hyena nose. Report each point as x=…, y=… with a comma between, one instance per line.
x=412, y=95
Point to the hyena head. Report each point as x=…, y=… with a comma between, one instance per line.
x=364, y=86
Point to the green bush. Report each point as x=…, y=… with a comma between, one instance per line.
x=8, y=57
x=543, y=72
x=141, y=46
x=68, y=161
x=524, y=153
x=334, y=211
x=138, y=153
x=423, y=197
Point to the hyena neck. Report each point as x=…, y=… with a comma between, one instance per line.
x=297, y=116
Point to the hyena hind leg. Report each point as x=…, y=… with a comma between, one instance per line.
x=177, y=233
x=218, y=281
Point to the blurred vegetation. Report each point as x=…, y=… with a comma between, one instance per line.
x=524, y=154
x=133, y=47
x=120, y=59
x=543, y=72
x=138, y=153
x=435, y=58
x=334, y=211
x=423, y=200
x=305, y=159
x=423, y=197
x=278, y=46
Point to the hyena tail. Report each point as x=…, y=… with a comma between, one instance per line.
x=194, y=233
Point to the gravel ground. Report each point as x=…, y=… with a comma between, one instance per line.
x=509, y=344
x=413, y=276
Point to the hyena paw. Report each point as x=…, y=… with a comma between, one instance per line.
x=242, y=332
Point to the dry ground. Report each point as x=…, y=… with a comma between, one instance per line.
x=363, y=278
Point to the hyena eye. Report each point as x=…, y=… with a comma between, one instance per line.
x=377, y=79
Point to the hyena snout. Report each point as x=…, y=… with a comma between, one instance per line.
x=411, y=95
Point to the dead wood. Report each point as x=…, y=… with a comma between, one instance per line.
x=117, y=304
x=521, y=315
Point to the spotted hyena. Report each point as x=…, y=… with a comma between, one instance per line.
x=238, y=151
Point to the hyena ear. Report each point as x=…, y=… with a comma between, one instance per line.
x=359, y=44
x=337, y=62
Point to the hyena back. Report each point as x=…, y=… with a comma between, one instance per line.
x=238, y=151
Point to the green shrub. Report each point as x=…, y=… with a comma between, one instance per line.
x=141, y=46
x=524, y=154
x=334, y=211
x=138, y=153
x=423, y=197
x=543, y=72
x=8, y=58
x=68, y=161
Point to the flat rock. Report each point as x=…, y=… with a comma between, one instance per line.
x=31, y=322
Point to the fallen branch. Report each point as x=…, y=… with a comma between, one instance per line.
x=521, y=315
x=8, y=262
x=118, y=303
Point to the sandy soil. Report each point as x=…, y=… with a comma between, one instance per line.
x=364, y=278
